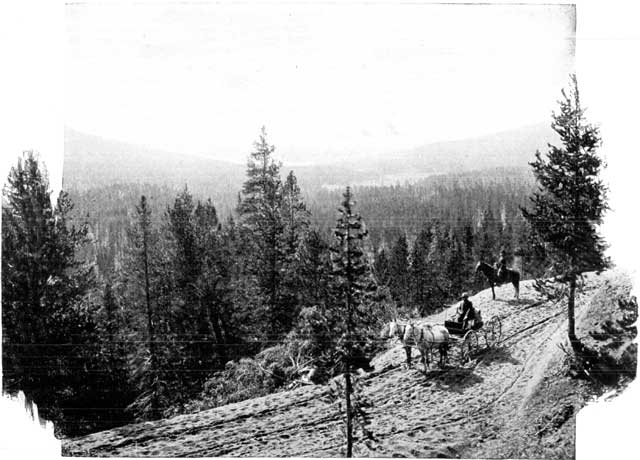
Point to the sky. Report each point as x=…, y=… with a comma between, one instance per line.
x=327, y=80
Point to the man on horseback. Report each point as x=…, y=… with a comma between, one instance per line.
x=499, y=274
x=501, y=266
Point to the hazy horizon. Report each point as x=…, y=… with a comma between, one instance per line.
x=319, y=161
x=328, y=81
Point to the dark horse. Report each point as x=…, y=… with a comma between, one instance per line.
x=509, y=276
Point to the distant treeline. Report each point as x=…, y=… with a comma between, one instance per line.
x=454, y=201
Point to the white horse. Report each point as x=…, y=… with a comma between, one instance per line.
x=392, y=330
x=427, y=337
x=424, y=338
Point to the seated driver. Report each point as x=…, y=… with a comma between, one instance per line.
x=468, y=314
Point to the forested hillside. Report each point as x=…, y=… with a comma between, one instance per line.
x=179, y=295
x=456, y=200
x=478, y=211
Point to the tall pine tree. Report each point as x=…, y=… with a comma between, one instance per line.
x=437, y=258
x=47, y=326
x=213, y=285
x=420, y=272
x=202, y=278
x=295, y=214
x=143, y=274
x=353, y=285
x=263, y=228
x=399, y=272
x=296, y=225
x=571, y=199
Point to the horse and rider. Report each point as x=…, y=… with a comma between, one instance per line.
x=501, y=266
x=499, y=274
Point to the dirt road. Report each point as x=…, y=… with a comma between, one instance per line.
x=441, y=414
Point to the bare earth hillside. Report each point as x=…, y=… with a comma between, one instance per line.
x=513, y=400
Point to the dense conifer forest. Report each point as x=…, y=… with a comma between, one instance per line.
x=162, y=304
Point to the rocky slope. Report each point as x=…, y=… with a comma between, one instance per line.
x=496, y=405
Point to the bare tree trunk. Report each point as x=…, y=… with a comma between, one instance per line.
x=347, y=374
x=571, y=303
x=152, y=351
x=347, y=391
x=214, y=323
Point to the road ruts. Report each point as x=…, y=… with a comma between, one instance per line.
x=442, y=413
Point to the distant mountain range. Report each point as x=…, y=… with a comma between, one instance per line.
x=92, y=161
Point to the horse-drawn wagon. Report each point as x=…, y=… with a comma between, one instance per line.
x=465, y=338
x=455, y=341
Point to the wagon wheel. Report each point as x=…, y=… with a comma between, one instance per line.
x=468, y=346
x=493, y=331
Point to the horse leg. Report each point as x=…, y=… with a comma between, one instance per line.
x=493, y=291
x=425, y=359
x=443, y=354
x=516, y=285
x=407, y=350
